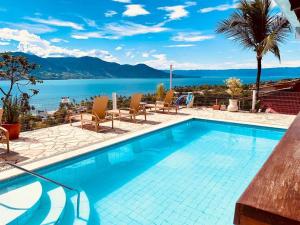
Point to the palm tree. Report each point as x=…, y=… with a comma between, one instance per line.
x=256, y=27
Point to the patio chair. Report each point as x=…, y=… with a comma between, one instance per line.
x=167, y=104
x=135, y=108
x=99, y=113
x=4, y=135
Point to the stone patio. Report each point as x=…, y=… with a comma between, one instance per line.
x=44, y=143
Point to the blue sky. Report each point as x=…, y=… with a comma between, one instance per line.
x=157, y=33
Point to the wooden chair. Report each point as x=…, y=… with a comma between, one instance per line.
x=167, y=104
x=4, y=135
x=135, y=108
x=99, y=113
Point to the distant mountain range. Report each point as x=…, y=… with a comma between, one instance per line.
x=58, y=68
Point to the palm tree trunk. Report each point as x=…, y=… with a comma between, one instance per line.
x=259, y=59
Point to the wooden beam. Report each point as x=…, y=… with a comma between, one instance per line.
x=295, y=4
x=297, y=12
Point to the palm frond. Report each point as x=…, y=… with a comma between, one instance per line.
x=254, y=26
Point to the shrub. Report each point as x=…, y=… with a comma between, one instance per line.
x=235, y=87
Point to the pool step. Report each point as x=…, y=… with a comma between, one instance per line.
x=16, y=206
x=51, y=208
x=70, y=215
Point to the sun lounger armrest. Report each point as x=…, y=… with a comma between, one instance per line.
x=159, y=102
x=89, y=114
x=124, y=109
x=2, y=129
x=128, y=109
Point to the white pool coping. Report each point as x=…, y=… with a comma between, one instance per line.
x=11, y=173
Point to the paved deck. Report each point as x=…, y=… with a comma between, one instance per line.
x=45, y=143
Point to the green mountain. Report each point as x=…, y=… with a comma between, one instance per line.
x=58, y=68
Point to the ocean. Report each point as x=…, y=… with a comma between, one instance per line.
x=51, y=91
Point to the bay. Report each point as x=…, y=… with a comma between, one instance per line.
x=51, y=91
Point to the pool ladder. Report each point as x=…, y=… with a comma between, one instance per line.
x=48, y=180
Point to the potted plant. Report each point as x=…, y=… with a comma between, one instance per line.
x=223, y=107
x=216, y=106
x=235, y=89
x=12, y=117
x=16, y=70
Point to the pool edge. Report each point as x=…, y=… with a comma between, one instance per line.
x=36, y=165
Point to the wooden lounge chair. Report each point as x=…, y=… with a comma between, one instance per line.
x=167, y=104
x=4, y=135
x=135, y=108
x=99, y=113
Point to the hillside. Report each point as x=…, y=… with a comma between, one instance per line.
x=88, y=68
x=61, y=68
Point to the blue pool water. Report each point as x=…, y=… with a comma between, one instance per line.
x=190, y=173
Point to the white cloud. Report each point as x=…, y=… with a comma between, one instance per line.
x=160, y=61
x=122, y=1
x=118, y=30
x=110, y=13
x=175, y=12
x=222, y=7
x=148, y=53
x=56, y=22
x=3, y=43
x=87, y=35
x=89, y=22
x=130, y=54
x=32, y=43
x=145, y=54
x=178, y=11
x=126, y=29
x=119, y=48
x=32, y=28
x=180, y=46
x=57, y=40
x=192, y=37
x=135, y=10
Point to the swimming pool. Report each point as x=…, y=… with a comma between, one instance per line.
x=189, y=173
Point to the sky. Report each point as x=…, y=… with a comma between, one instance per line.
x=157, y=33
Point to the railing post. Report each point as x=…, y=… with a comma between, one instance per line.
x=114, y=100
x=253, y=100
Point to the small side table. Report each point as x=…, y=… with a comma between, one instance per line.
x=114, y=113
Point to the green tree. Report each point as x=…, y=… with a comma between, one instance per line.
x=256, y=27
x=16, y=69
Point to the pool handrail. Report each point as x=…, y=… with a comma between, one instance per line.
x=48, y=180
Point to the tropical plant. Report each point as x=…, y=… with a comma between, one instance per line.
x=160, y=91
x=235, y=87
x=16, y=70
x=13, y=114
x=256, y=27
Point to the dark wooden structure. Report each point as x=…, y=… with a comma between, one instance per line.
x=295, y=6
x=273, y=196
